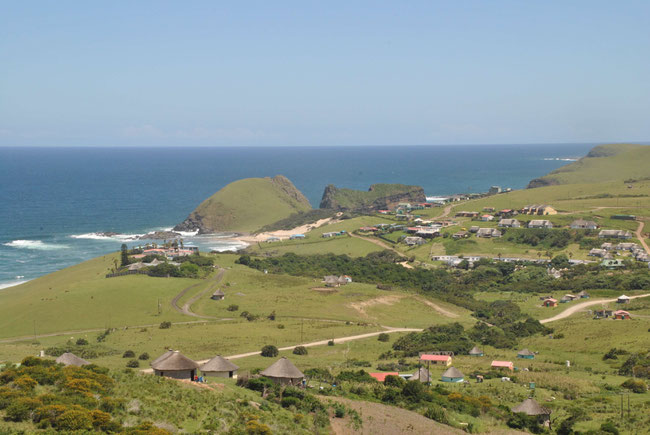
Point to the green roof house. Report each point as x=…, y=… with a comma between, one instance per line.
x=452, y=374
x=526, y=354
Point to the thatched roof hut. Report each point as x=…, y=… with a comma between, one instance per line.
x=476, y=351
x=70, y=359
x=220, y=367
x=161, y=357
x=284, y=372
x=422, y=375
x=526, y=354
x=532, y=408
x=174, y=365
x=452, y=374
x=218, y=295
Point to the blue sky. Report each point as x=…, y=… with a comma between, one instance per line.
x=206, y=73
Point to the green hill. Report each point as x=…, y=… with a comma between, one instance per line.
x=377, y=197
x=615, y=162
x=246, y=206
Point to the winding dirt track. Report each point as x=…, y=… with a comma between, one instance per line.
x=186, y=308
x=639, y=235
x=574, y=309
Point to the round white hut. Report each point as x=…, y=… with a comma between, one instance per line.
x=284, y=372
x=219, y=367
x=175, y=365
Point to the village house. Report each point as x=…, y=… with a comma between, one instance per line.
x=540, y=223
x=507, y=212
x=614, y=234
x=488, y=232
x=428, y=232
x=568, y=298
x=525, y=354
x=487, y=218
x=461, y=235
x=70, y=359
x=272, y=239
x=503, y=365
x=627, y=247
x=422, y=374
x=509, y=223
x=550, y=302
x=452, y=374
x=469, y=214
x=368, y=229
x=296, y=236
x=219, y=367
x=284, y=372
x=474, y=229
x=475, y=352
x=621, y=315
x=383, y=211
x=533, y=409
x=336, y=281
x=622, y=299
x=581, y=224
x=539, y=210
x=413, y=241
x=601, y=253
x=175, y=365
x=607, y=246
x=218, y=295
x=381, y=377
x=490, y=209
x=603, y=314
x=583, y=295
x=436, y=359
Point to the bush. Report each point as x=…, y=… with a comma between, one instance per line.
x=73, y=420
x=270, y=351
x=134, y=364
x=290, y=401
x=144, y=356
x=339, y=411
x=330, y=343
x=165, y=325
x=21, y=409
x=394, y=381
x=81, y=342
x=233, y=307
x=259, y=384
x=436, y=413
x=383, y=337
x=300, y=350
x=609, y=427
x=271, y=316
x=128, y=354
x=636, y=385
x=25, y=383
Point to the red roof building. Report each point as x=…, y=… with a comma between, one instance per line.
x=621, y=315
x=436, y=359
x=503, y=365
x=381, y=377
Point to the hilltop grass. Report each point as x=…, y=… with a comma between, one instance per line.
x=291, y=296
x=80, y=297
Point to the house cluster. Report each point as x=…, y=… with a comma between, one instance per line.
x=168, y=253
x=334, y=234
x=614, y=234
x=336, y=281
x=608, y=250
x=549, y=301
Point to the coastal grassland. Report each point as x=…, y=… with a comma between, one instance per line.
x=293, y=297
x=317, y=245
x=80, y=297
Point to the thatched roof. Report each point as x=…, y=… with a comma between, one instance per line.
x=283, y=368
x=452, y=372
x=162, y=357
x=531, y=407
x=175, y=361
x=475, y=351
x=421, y=375
x=525, y=352
x=218, y=364
x=218, y=293
x=70, y=359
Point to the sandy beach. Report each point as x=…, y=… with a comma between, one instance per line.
x=285, y=234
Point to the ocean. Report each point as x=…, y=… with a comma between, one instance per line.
x=55, y=200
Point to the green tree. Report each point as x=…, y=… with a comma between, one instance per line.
x=124, y=255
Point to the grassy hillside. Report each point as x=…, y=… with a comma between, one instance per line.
x=247, y=205
x=603, y=163
x=378, y=196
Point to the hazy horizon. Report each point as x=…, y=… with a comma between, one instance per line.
x=338, y=74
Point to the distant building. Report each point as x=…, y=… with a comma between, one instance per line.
x=612, y=263
x=460, y=235
x=581, y=224
x=494, y=190
x=218, y=295
x=475, y=352
x=381, y=377
x=540, y=224
x=503, y=365
x=509, y=223
x=550, y=302
x=539, y=210
x=621, y=315
x=70, y=359
x=283, y=372
x=488, y=232
x=436, y=359
x=622, y=299
x=533, y=409
x=614, y=234
x=296, y=236
x=174, y=364
x=219, y=367
x=487, y=218
x=452, y=374
x=413, y=241
x=422, y=374
x=525, y=354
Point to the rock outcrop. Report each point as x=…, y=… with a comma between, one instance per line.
x=378, y=197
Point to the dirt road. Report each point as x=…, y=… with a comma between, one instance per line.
x=574, y=309
x=185, y=309
x=639, y=235
x=387, y=330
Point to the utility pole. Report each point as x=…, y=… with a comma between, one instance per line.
x=301, y=323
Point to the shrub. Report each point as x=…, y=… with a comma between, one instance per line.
x=383, y=337
x=25, y=383
x=81, y=342
x=232, y=307
x=271, y=316
x=394, y=381
x=609, y=427
x=128, y=354
x=636, y=385
x=74, y=420
x=134, y=364
x=21, y=409
x=436, y=413
x=330, y=343
x=254, y=427
x=270, y=351
x=290, y=401
x=144, y=356
x=259, y=384
x=339, y=411
x=300, y=350
x=414, y=391
x=165, y=325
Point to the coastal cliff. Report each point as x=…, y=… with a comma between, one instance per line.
x=246, y=206
x=378, y=196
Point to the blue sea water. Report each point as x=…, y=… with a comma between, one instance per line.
x=52, y=200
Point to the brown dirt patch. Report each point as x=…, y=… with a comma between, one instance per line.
x=385, y=300
x=324, y=289
x=436, y=307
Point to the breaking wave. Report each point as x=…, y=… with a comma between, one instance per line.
x=38, y=245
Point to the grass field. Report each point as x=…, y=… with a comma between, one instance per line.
x=80, y=297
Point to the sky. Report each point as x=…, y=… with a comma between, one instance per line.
x=260, y=73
